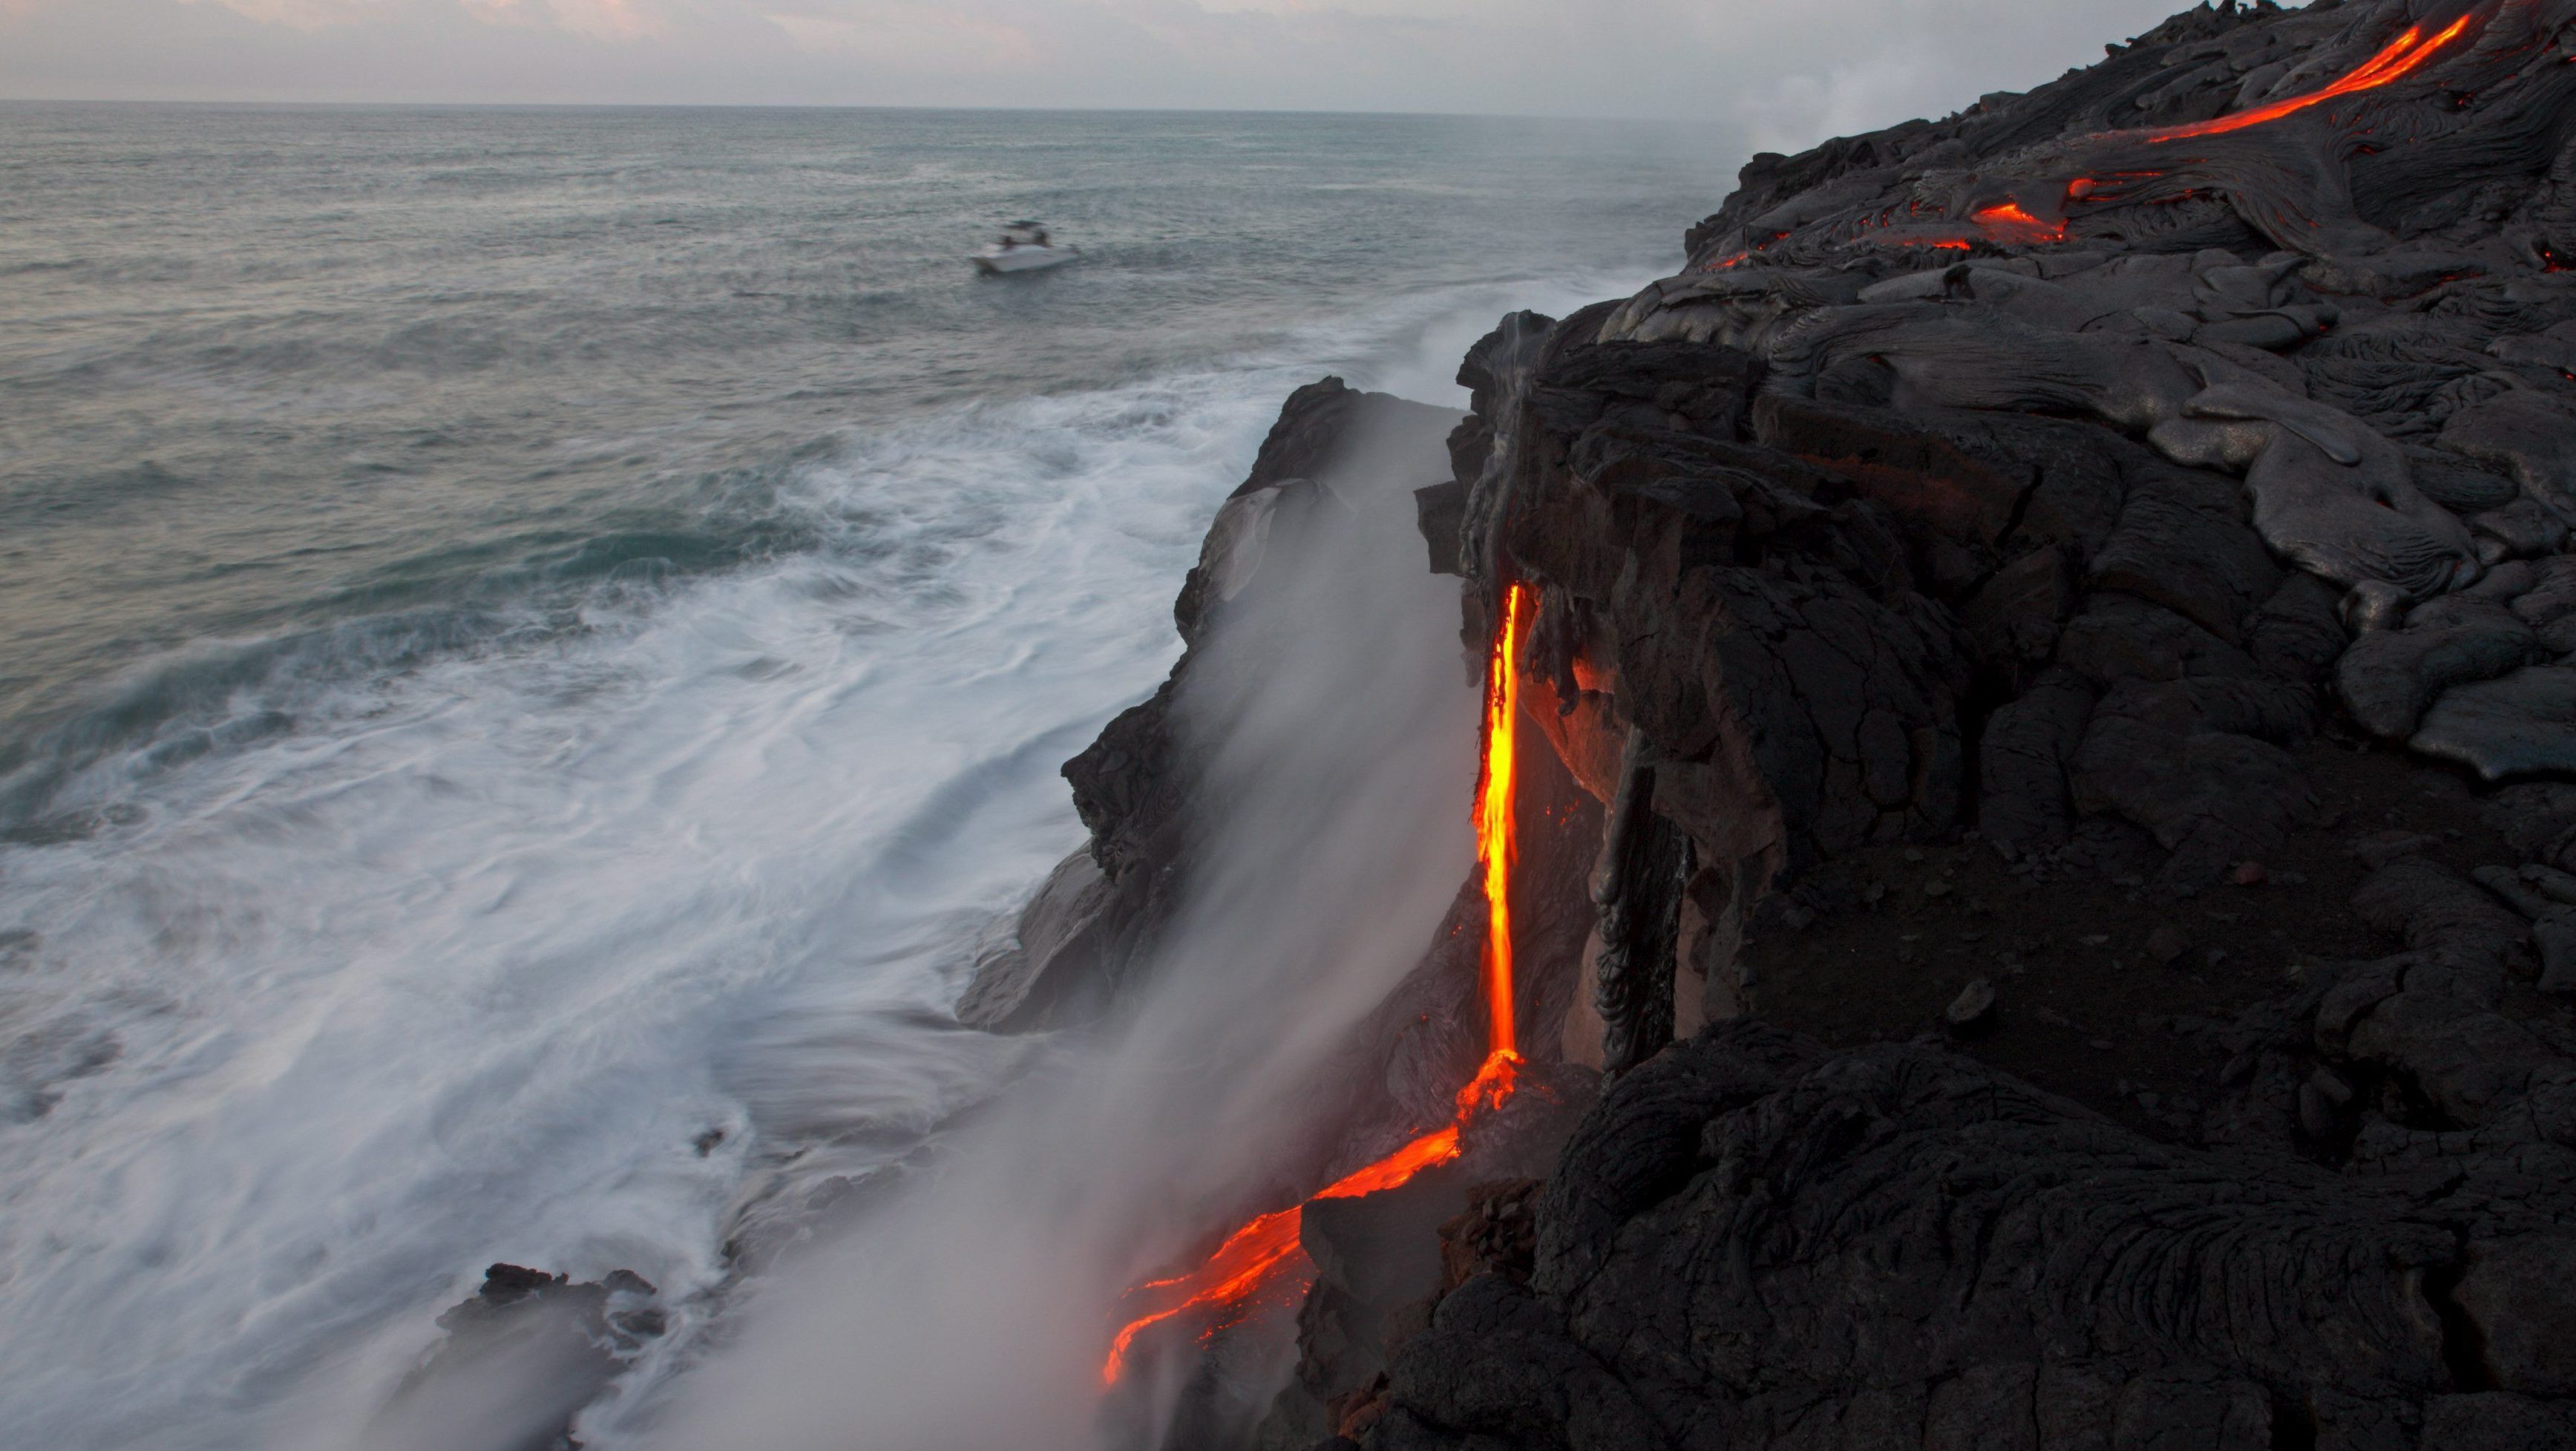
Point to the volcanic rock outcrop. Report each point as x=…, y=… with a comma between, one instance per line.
x=1754, y=1243
x=519, y=1360
x=2109, y=495
x=1097, y=916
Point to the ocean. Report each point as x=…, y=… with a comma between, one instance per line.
x=533, y=643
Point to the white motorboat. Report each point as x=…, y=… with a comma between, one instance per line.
x=1024, y=247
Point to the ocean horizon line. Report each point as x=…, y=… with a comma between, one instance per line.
x=276, y=104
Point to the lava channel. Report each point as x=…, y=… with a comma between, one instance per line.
x=2410, y=52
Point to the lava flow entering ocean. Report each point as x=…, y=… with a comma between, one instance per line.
x=1265, y=1260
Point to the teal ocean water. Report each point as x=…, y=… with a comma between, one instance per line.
x=498, y=607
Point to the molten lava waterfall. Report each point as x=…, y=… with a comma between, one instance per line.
x=1265, y=1261
x=1495, y=847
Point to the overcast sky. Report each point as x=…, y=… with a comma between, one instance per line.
x=1786, y=71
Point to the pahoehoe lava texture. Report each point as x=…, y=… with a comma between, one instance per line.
x=1753, y=1243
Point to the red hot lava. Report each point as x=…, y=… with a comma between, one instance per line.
x=2410, y=52
x=1265, y=1259
x=1495, y=846
x=2010, y=223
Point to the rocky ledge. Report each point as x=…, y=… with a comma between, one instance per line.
x=2058, y=645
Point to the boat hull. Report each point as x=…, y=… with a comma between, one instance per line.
x=1023, y=259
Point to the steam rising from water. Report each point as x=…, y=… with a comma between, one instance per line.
x=973, y=1311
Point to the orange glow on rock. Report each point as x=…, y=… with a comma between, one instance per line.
x=1267, y=1256
x=2407, y=54
x=2012, y=222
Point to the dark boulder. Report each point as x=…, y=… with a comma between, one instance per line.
x=2212, y=798
x=2029, y=746
x=2389, y=677
x=519, y=1361
x=2521, y=725
x=1056, y=945
x=2449, y=920
x=2183, y=541
x=2015, y=616
x=2121, y=637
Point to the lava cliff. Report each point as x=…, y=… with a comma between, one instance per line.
x=2056, y=645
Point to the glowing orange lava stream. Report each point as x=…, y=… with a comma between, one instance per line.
x=2402, y=57
x=2010, y=223
x=1494, y=844
x=1268, y=1253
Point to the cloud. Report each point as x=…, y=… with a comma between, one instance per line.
x=294, y=14
x=1415, y=9
x=1835, y=67
x=1789, y=72
x=600, y=19
x=933, y=39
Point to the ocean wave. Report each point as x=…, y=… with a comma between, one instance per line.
x=353, y=958
x=200, y=699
